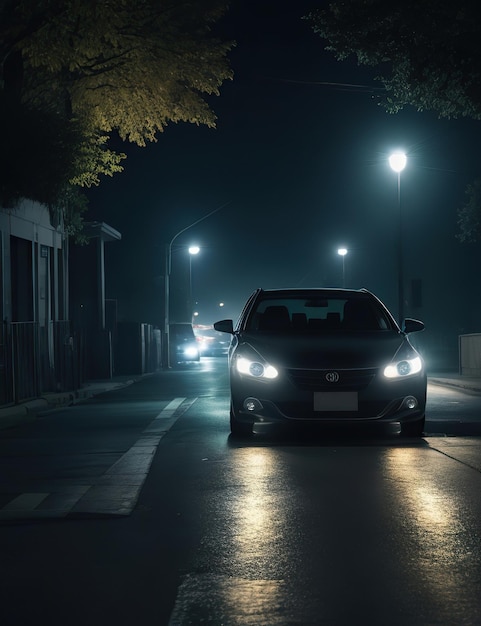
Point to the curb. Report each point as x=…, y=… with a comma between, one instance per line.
x=28, y=411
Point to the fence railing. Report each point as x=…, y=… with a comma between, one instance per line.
x=24, y=342
x=36, y=359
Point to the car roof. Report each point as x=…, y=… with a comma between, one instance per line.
x=308, y=291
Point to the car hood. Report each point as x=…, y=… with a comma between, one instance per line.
x=363, y=350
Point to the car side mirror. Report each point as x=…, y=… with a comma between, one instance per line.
x=225, y=326
x=412, y=326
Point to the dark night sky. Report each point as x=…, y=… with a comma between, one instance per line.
x=304, y=169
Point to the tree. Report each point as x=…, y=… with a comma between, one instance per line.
x=469, y=216
x=429, y=56
x=89, y=69
x=428, y=51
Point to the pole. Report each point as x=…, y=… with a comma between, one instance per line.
x=397, y=161
x=166, y=344
x=168, y=264
x=191, y=304
x=342, y=252
x=400, y=256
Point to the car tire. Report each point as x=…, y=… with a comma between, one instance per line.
x=237, y=428
x=413, y=429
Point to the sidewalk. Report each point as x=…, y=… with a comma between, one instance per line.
x=27, y=411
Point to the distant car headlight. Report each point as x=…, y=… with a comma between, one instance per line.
x=191, y=352
x=403, y=368
x=255, y=368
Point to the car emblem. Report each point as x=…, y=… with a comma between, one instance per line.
x=332, y=377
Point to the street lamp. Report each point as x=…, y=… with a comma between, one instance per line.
x=193, y=250
x=168, y=267
x=397, y=162
x=342, y=252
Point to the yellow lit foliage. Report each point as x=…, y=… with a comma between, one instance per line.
x=90, y=68
x=126, y=65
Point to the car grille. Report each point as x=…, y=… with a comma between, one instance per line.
x=315, y=380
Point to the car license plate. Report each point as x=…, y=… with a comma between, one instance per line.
x=335, y=401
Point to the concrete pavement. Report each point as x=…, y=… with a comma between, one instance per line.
x=27, y=411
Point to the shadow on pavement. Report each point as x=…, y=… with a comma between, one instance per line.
x=375, y=435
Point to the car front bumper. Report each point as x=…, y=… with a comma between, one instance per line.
x=373, y=399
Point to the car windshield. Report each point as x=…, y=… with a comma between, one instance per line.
x=318, y=314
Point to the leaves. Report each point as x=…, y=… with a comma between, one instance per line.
x=429, y=52
x=131, y=67
x=469, y=215
x=38, y=153
x=429, y=56
x=89, y=69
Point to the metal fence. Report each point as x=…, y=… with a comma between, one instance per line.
x=36, y=359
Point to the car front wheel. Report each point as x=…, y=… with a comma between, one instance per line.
x=237, y=428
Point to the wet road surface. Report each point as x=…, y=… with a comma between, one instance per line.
x=300, y=530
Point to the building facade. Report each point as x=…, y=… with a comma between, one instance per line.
x=35, y=333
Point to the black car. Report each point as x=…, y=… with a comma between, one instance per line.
x=326, y=356
x=183, y=344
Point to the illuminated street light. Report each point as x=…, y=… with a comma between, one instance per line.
x=397, y=162
x=168, y=267
x=342, y=252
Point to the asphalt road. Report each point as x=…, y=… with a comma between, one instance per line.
x=137, y=507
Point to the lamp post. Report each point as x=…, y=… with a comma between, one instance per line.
x=342, y=252
x=168, y=267
x=397, y=162
x=168, y=271
x=193, y=250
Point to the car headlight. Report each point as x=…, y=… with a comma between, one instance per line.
x=255, y=368
x=403, y=368
x=191, y=352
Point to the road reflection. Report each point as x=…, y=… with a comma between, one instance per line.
x=249, y=585
x=438, y=533
x=257, y=521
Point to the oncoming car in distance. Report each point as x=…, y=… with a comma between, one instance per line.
x=183, y=344
x=326, y=356
x=210, y=341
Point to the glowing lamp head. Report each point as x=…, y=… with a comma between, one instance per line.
x=397, y=161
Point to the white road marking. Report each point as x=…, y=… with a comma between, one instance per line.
x=115, y=492
x=25, y=502
x=165, y=419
